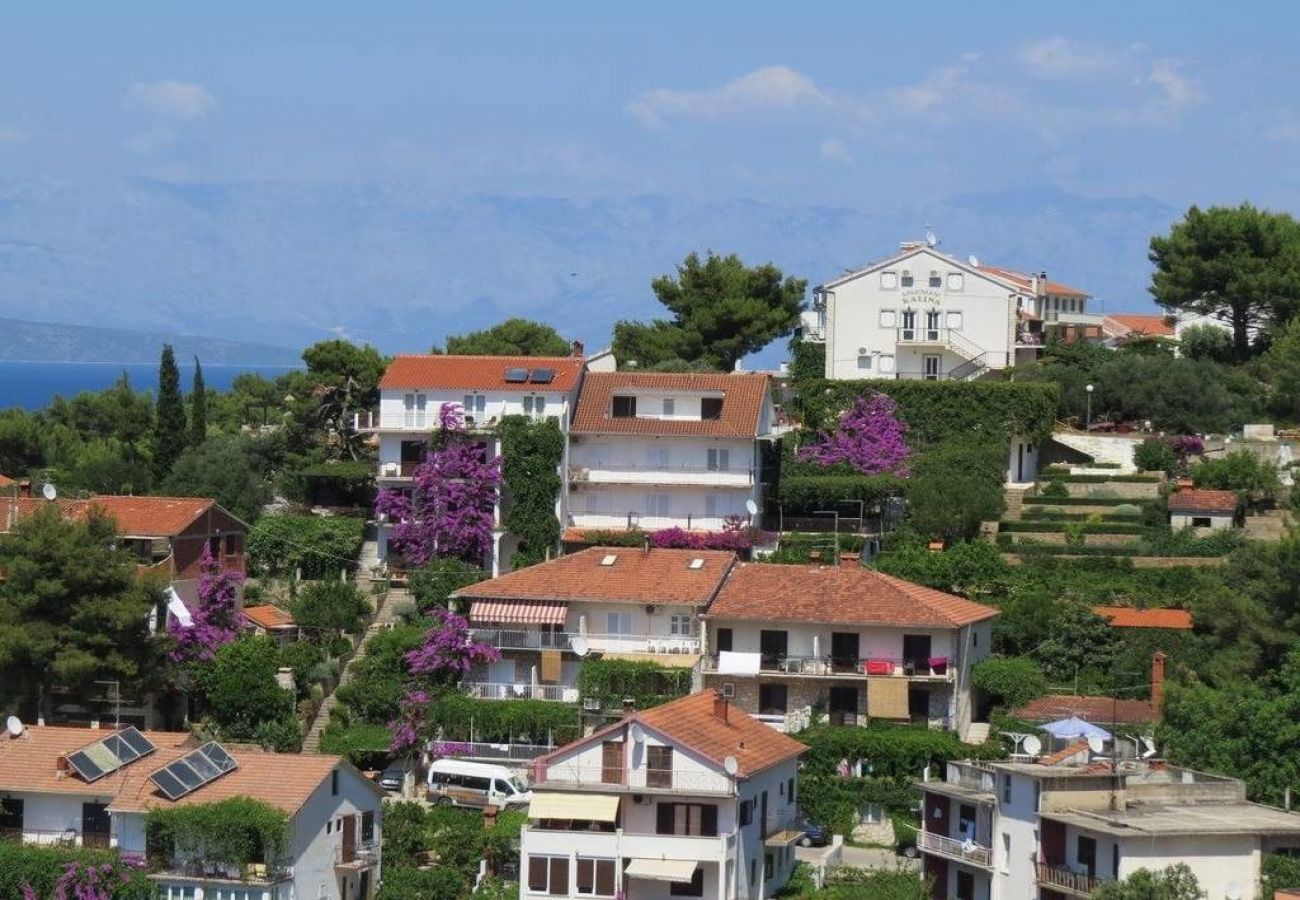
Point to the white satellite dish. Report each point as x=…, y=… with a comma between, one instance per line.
x=49, y=491
x=579, y=646
x=931, y=238
x=1095, y=743
x=1150, y=746
x=1033, y=746
x=751, y=507
x=730, y=765
x=636, y=733
x=14, y=726
x=973, y=260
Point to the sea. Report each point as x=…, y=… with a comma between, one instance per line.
x=32, y=385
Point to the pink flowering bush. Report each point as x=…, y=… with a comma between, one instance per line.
x=870, y=438
x=98, y=881
x=214, y=623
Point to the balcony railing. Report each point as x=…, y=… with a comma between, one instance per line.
x=506, y=752
x=637, y=779
x=1065, y=879
x=922, y=335
x=600, y=472
x=360, y=855
x=606, y=520
x=404, y=469
x=492, y=690
x=202, y=869
x=476, y=420
x=67, y=837
x=964, y=851
x=522, y=639
x=972, y=778
x=930, y=668
x=539, y=639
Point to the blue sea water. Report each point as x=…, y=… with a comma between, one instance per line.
x=31, y=385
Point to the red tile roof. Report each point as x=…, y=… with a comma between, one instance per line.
x=268, y=616
x=135, y=516
x=840, y=595
x=1098, y=710
x=6, y=481
x=636, y=576
x=1127, y=617
x=1064, y=753
x=1025, y=282
x=1124, y=324
x=1220, y=503
x=742, y=403
x=483, y=373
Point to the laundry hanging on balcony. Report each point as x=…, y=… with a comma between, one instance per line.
x=518, y=612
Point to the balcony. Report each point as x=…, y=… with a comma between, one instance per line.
x=967, y=852
x=782, y=830
x=361, y=855
x=491, y=690
x=620, y=843
x=923, y=336
x=1062, y=879
x=67, y=837
x=422, y=422
x=391, y=471
x=639, y=780
x=522, y=638
x=538, y=639
x=600, y=472
x=208, y=870
x=934, y=668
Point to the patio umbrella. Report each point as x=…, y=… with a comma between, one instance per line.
x=1073, y=728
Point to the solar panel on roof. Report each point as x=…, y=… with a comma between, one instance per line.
x=84, y=767
x=110, y=754
x=541, y=376
x=138, y=741
x=516, y=376
x=168, y=784
x=193, y=770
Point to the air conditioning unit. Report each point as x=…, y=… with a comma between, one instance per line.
x=729, y=689
x=863, y=351
x=650, y=609
x=392, y=469
x=642, y=799
x=580, y=474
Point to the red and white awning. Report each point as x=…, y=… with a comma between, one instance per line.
x=519, y=612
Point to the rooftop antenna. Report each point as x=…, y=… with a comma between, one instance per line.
x=931, y=238
x=973, y=260
x=49, y=491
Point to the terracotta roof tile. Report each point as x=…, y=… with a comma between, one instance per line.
x=692, y=721
x=1101, y=710
x=1124, y=324
x=742, y=403
x=6, y=481
x=1127, y=617
x=636, y=576
x=846, y=594
x=268, y=616
x=484, y=373
x=1223, y=503
x=142, y=516
x=1064, y=753
x=1025, y=282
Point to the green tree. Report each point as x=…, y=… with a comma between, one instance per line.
x=513, y=337
x=1281, y=366
x=1176, y=394
x=225, y=469
x=406, y=883
x=169, y=437
x=1012, y=681
x=1240, y=265
x=1176, y=882
x=1253, y=479
x=955, y=487
x=71, y=608
x=346, y=380
x=1155, y=455
x=330, y=606
x=1206, y=342
x=21, y=445
x=240, y=689
x=406, y=833
x=434, y=582
x=722, y=311
x=198, y=407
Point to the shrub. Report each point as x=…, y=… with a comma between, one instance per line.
x=529, y=721
x=1155, y=455
x=44, y=868
x=318, y=545
x=237, y=831
x=303, y=657
x=1011, y=681
x=405, y=833
x=436, y=580
x=240, y=687
x=1127, y=510
x=407, y=883
x=331, y=606
x=1055, y=489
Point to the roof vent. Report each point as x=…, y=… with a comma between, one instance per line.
x=610, y=559
x=696, y=563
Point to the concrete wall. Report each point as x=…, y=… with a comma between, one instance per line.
x=1217, y=523
x=1014, y=873
x=314, y=850
x=1224, y=865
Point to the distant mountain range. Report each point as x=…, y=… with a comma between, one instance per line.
x=401, y=267
x=46, y=342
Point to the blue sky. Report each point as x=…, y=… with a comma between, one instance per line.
x=809, y=103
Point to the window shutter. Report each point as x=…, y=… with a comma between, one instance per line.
x=664, y=814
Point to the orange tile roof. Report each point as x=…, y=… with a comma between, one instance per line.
x=268, y=616
x=1064, y=753
x=1222, y=503
x=1025, y=282
x=483, y=373
x=845, y=595
x=137, y=516
x=637, y=576
x=742, y=403
x=6, y=481
x=1099, y=710
x=1124, y=324
x=29, y=764
x=1128, y=617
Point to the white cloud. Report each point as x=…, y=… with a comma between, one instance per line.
x=1058, y=57
x=835, y=150
x=766, y=89
x=956, y=90
x=176, y=100
x=12, y=134
x=1177, y=91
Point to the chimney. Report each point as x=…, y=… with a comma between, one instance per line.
x=1157, y=680
x=25, y=488
x=629, y=706
x=578, y=349
x=720, y=707
x=1185, y=484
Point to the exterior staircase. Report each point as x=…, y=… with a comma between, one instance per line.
x=1015, y=500
x=976, y=733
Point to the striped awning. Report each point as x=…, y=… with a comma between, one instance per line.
x=519, y=612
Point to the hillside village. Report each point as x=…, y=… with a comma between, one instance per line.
x=981, y=594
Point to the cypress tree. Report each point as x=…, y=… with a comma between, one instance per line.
x=169, y=435
x=198, y=407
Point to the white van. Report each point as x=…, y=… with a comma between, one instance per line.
x=453, y=782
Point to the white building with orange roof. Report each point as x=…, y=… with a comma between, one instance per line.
x=91, y=787
x=693, y=798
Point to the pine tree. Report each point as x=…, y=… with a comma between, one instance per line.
x=169, y=437
x=198, y=407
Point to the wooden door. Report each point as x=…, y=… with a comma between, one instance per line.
x=95, y=825
x=611, y=762
x=1053, y=841
x=936, y=814
x=349, y=849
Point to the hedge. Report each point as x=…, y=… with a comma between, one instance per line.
x=1058, y=469
x=1050, y=527
x=894, y=751
x=461, y=717
x=1040, y=515
x=805, y=492
x=40, y=867
x=1039, y=500
x=1103, y=479
x=645, y=682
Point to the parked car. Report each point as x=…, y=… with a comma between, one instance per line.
x=907, y=847
x=814, y=835
x=392, y=777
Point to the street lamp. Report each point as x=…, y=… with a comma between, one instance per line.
x=1087, y=425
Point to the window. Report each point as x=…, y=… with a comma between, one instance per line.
x=769, y=865
x=475, y=404
x=548, y=875
x=889, y=280
x=711, y=408
x=955, y=281
x=907, y=280
x=725, y=636
x=771, y=699
x=712, y=503
x=11, y=814
x=887, y=363
x=789, y=791
x=692, y=888
x=334, y=783
x=1114, y=861
x=368, y=826
x=954, y=321
x=873, y=814
x=656, y=505
x=1200, y=521
x=935, y=280
x=670, y=406
x=176, y=892
x=680, y=625
x=658, y=457
x=1086, y=855
x=659, y=767
x=864, y=361
x=687, y=819
x=965, y=885
x=719, y=459
x=329, y=826
x=595, y=877
x=888, y=318
x=618, y=623
x=535, y=406
x=1006, y=788
x=746, y=813
x=624, y=408
x=1006, y=852
x=611, y=762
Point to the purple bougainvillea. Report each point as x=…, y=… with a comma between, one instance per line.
x=736, y=536
x=87, y=881
x=214, y=622
x=450, y=512
x=870, y=437
x=1185, y=446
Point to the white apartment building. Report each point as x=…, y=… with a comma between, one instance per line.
x=856, y=642
x=1059, y=826
x=87, y=787
x=656, y=450
x=486, y=389
x=690, y=799
x=631, y=601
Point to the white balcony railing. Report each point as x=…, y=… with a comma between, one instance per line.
x=540, y=639
x=535, y=840
x=638, y=779
x=964, y=851
x=921, y=335
x=426, y=421
x=601, y=472
x=522, y=638
x=1080, y=883
x=494, y=690
x=933, y=668
x=580, y=516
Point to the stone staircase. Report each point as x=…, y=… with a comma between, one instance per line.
x=1015, y=500
x=976, y=733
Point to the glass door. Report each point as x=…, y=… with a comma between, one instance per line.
x=930, y=366
x=932, y=325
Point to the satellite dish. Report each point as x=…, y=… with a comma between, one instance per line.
x=931, y=238
x=579, y=646
x=49, y=491
x=14, y=726
x=973, y=260
x=1033, y=746
x=751, y=507
x=636, y=733
x=1095, y=743
x=1150, y=750
x=730, y=766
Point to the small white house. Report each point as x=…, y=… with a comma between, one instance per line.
x=92, y=787
x=1203, y=510
x=690, y=799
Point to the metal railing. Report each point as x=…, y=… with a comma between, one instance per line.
x=637, y=779
x=600, y=471
x=363, y=853
x=922, y=335
x=506, y=752
x=973, y=777
x=493, y=690
x=252, y=873
x=1061, y=877
x=774, y=824
x=539, y=639
x=522, y=639
x=477, y=419
x=966, y=851
x=403, y=469
x=66, y=837
x=937, y=667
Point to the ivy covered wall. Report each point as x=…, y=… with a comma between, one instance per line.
x=532, y=453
